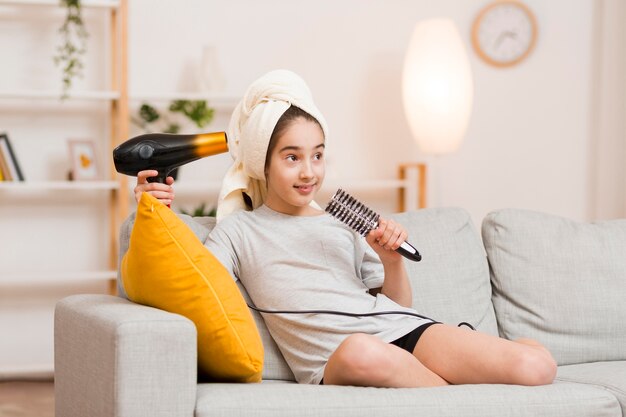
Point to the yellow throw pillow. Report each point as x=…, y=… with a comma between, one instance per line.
x=167, y=267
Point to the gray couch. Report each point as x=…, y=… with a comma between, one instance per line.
x=532, y=275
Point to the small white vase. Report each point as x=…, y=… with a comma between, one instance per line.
x=210, y=77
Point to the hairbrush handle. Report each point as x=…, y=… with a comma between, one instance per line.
x=408, y=251
x=361, y=219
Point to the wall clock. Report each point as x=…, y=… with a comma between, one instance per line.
x=504, y=33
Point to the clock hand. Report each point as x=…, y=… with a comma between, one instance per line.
x=502, y=36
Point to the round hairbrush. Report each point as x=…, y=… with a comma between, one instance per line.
x=356, y=215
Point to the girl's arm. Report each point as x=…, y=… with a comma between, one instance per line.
x=163, y=192
x=385, y=240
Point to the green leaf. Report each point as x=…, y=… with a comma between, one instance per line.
x=148, y=113
x=200, y=211
x=196, y=111
x=172, y=128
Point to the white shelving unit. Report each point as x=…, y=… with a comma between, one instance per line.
x=353, y=184
x=107, y=4
x=59, y=186
x=64, y=278
x=54, y=95
x=116, y=98
x=216, y=100
x=59, y=237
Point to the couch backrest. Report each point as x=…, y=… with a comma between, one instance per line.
x=450, y=284
x=559, y=281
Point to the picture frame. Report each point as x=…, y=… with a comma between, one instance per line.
x=84, y=161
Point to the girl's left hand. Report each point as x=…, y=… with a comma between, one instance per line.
x=386, y=238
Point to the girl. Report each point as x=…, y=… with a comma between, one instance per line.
x=290, y=255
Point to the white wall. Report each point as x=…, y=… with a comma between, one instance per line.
x=607, y=150
x=531, y=142
x=528, y=141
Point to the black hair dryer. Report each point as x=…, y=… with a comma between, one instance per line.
x=165, y=152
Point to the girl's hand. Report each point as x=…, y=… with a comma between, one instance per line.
x=163, y=192
x=386, y=238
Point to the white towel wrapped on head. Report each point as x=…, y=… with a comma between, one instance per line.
x=249, y=131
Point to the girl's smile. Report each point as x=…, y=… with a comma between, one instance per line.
x=305, y=189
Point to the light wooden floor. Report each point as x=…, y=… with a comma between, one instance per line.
x=27, y=399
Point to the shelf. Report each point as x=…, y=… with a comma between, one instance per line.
x=59, y=185
x=25, y=372
x=199, y=187
x=351, y=184
x=56, y=95
x=190, y=187
x=56, y=278
x=112, y=4
x=215, y=99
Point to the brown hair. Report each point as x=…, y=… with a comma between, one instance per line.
x=292, y=114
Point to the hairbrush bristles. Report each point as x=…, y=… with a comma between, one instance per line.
x=352, y=212
x=361, y=219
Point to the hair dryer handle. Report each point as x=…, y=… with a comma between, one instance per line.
x=161, y=177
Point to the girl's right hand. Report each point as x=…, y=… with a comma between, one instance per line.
x=162, y=192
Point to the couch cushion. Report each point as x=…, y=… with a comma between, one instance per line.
x=559, y=281
x=610, y=376
x=451, y=282
x=167, y=267
x=287, y=399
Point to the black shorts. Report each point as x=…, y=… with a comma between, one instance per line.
x=409, y=340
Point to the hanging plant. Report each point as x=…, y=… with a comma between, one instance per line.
x=74, y=44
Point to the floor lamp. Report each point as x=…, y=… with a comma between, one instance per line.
x=437, y=93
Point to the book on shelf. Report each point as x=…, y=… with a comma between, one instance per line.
x=4, y=169
x=9, y=165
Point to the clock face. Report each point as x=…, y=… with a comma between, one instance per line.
x=504, y=33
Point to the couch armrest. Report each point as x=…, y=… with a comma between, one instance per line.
x=116, y=358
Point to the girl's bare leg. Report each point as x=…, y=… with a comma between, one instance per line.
x=462, y=356
x=365, y=360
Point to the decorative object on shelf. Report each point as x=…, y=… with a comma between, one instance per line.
x=201, y=211
x=150, y=120
x=5, y=173
x=210, y=77
x=10, y=169
x=504, y=33
x=437, y=87
x=74, y=37
x=84, y=160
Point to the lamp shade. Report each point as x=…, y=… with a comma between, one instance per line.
x=437, y=88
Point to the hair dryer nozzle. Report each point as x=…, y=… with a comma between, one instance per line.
x=165, y=152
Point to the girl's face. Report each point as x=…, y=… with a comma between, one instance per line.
x=296, y=169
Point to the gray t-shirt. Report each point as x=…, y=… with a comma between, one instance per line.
x=305, y=263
